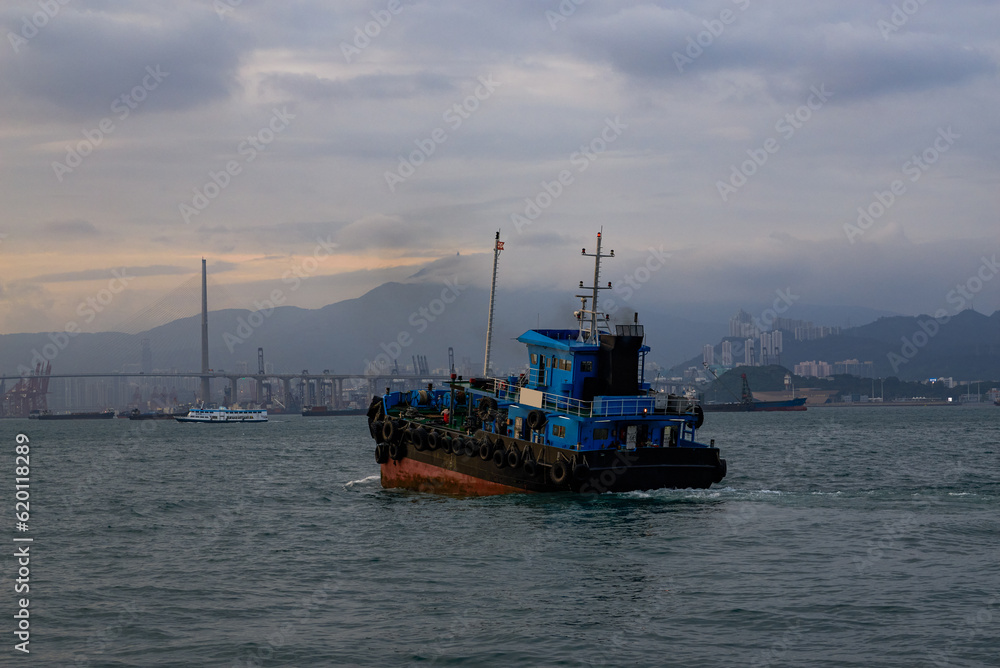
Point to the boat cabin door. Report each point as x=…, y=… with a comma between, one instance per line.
x=630, y=436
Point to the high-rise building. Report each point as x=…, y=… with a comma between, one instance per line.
x=813, y=369
x=708, y=354
x=742, y=325
x=855, y=368
x=749, y=347
x=727, y=353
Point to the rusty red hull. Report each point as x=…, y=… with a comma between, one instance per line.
x=411, y=474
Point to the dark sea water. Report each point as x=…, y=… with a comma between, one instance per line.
x=841, y=537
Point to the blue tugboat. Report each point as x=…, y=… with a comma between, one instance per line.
x=582, y=419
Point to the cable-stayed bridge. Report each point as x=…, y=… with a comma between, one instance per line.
x=281, y=391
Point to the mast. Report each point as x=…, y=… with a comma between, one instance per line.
x=594, y=288
x=205, y=386
x=497, y=247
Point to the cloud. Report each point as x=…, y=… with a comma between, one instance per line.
x=391, y=235
x=82, y=61
x=99, y=274
x=70, y=228
x=325, y=178
x=310, y=87
x=646, y=42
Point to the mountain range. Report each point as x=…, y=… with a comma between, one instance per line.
x=396, y=321
x=389, y=324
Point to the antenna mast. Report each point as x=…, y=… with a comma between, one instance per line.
x=497, y=247
x=594, y=288
x=205, y=379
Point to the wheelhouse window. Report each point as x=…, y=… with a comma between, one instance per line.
x=534, y=358
x=559, y=431
x=601, y=434
x=586, y=367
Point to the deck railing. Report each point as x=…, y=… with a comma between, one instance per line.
x=657, y=404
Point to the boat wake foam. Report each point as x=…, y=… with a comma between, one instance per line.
x=363, y=481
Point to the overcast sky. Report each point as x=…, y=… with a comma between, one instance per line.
x=738, y=136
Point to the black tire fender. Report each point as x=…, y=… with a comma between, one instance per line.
x=500, y=458
x=513, y=458
x=536, y=419
x=397, y=451
x=486, y=451
x=560, y=472
x=530, y=467
x=388, y=431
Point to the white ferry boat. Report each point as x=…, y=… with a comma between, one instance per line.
x=224, y=415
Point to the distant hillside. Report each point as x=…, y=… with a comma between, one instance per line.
x=394, y=320
x=910, y=348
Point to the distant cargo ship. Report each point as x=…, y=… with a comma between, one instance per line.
x=747, y=404
x=736, y=407
x=136, y=414
x=94, y=415
x=317, y=411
